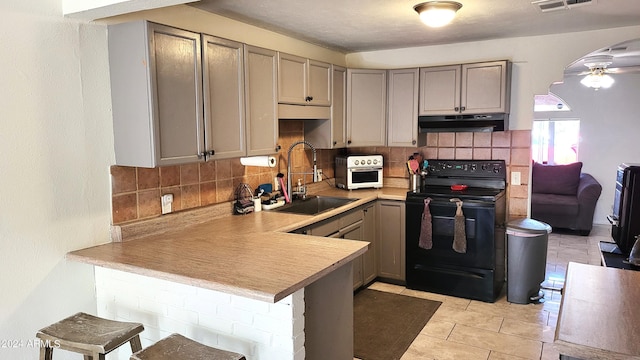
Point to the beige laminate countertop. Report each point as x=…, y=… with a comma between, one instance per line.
x=599, y=314
x=249, y=255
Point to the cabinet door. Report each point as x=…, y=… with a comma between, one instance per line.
x=440, y=90
x=261, y=80
x=292, y=79
x=485, y=87
x=369, y=230
x=223, y=69
x=402, y=120
x=156, y=94
x=338, y=107
x=354, y=232
x=319, y=86
x=391, y=241
x=175, y=61
x=366, y=107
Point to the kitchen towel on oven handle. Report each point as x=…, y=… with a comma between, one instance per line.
x=459, y=232
x=426, y=229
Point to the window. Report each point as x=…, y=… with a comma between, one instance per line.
x=555, y=141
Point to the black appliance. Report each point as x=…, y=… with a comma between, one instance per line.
x=478, y=273
x=464, y=123
x=625, y=220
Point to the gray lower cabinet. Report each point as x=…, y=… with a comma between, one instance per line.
x=156, y=93
x=358, y=224
x=391, y=240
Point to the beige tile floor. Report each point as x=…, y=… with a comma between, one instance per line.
x=469, y=329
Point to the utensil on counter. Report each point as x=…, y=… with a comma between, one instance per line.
x=284, y=188
x=414, y=165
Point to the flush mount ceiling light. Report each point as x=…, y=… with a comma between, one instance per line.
x=437, y=13
x=597, y=76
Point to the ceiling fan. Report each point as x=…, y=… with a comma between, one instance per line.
x=598, y=71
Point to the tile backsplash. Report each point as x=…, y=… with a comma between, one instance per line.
x=136, y=192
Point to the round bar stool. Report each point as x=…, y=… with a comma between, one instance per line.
x=176, y=346
x=92, y=336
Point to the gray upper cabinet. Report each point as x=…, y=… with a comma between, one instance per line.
x=303, y=81
x=261, y=81
x=156, y=92
x=331, y=133
x=366, y=107
x=338, y=106
x=402, y=119
x=478, y=88
x=223, y=70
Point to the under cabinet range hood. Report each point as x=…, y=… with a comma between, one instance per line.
x=303, y=112
x=463, y=123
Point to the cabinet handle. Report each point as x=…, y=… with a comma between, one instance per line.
x=335, y=143
x=348, y=141
x=212, y=152
x=202, y=155
x=463, y=108
x=456, y=108
x=413, y=142
x=308, y=98
x=278, y=147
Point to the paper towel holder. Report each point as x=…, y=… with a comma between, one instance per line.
x=262, y=161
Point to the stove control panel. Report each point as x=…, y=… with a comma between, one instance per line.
x=467, y=168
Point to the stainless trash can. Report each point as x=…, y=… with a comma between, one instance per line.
x=527, y=241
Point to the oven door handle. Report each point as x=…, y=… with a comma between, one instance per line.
x=612, y=221
x=365, y=169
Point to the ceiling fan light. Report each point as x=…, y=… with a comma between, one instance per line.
x=437, y=13
x=597, y=81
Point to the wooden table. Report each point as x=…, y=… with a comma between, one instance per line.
x=599, y=314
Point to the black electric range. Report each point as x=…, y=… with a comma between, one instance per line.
x=479, y=272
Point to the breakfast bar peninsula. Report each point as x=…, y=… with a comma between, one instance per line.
x=239, y=283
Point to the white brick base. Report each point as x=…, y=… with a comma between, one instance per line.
x=257, y=329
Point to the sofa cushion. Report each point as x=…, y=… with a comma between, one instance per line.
x=553, y=204
x=556, y=179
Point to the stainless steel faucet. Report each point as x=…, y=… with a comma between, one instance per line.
x=289, y=179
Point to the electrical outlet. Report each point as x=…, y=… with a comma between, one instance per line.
x=166, y=201
x=515, y=178
x=318, y=176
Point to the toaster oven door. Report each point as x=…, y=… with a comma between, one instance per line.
x=365, y=178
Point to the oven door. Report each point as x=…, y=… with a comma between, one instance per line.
x=480, y=220
x=364, y=178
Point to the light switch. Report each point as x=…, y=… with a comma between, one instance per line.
x=515, y=178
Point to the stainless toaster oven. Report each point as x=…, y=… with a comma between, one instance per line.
x=358, y=171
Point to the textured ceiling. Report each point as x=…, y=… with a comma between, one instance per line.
x=363, y=25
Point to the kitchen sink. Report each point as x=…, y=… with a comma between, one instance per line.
x=314, y=205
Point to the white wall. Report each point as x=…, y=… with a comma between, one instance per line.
x=609, y=124
x=56, y=146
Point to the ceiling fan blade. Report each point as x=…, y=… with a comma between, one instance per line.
x=624, y=70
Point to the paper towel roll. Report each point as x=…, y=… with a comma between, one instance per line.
x=264, y=161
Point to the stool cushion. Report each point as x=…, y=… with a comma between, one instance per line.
x=176, y=346
x=90, y=333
